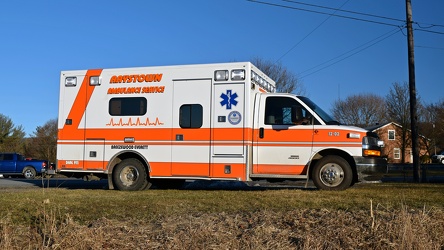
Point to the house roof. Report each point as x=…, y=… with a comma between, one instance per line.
x=380, y=126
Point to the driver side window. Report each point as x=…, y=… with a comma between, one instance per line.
x=285, y=111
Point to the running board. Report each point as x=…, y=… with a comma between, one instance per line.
x=279, y=176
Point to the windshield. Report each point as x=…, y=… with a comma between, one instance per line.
x=324, y=116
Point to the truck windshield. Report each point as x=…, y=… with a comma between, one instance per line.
x=324, y=116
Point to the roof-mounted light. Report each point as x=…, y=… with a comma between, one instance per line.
x=221, y=75
x=238, y=75
x=70, y=81
x=94, y=80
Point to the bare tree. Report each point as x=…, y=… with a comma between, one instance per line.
x=43, y=143
x=432, y=126
x=11, y=136
x=286, y=81
x=398, y=110
x=360, y=110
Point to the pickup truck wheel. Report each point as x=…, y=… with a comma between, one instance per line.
x=130, y=175
x=29, y=173
x=332, y=173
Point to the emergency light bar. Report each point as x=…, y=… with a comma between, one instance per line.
x=262, y=82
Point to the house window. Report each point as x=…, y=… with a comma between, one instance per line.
x=396, y=153
x=391, y=135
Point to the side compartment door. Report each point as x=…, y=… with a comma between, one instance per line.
x=191, y=128
x=228, y=119
x=284, y=138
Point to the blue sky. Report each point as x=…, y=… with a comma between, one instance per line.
x=42, y=38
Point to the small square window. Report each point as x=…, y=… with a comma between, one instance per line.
x=191, y=116
x=391, y=135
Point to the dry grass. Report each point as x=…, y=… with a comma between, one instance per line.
x=365, y=217
x=297, y=229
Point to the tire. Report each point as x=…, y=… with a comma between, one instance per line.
x=332, y=173
x=29, y=173
x=130, y=175
x=442, y=160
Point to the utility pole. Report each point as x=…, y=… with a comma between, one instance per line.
x=412, y=89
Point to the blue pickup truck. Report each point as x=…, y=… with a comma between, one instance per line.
x=16, y=164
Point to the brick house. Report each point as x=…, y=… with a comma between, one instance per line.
x=391, y=134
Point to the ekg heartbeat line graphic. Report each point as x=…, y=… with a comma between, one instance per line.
x=130, y=122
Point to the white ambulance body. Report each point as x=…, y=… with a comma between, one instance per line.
x=165, y=125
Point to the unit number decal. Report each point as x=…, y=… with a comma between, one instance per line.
x=333, y=133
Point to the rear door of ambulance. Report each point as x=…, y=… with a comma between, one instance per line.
x=76, y=149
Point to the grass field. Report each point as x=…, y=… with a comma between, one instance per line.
x=367, y=216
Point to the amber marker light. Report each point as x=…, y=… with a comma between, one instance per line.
x=369, y=152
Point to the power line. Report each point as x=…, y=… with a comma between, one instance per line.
x=342, y=58
x=430, y=25
x=385, y=36
x=428, y=47
x=430, y=31
x=346, y=11
x=322, y=13
x=317, y=27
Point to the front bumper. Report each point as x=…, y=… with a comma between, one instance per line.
x=370, y=168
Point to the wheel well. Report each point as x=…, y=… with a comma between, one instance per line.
x=339, y=153
x=28, y=166
x=126, y=155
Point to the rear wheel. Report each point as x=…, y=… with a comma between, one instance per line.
x=130, y=175
x=332, y=173
x=29, y=173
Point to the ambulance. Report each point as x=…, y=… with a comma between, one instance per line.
x=168, y=124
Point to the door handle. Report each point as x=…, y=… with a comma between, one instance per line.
x=261, y=132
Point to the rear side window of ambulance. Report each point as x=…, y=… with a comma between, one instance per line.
x=190, y=116
x=127, y=106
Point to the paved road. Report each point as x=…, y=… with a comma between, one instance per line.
x=68, y=183
x=72, y=183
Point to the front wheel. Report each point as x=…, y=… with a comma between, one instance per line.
x=130, y=175
x=29, y=173
x=332, y=173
